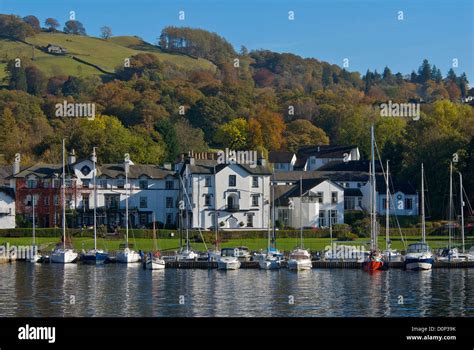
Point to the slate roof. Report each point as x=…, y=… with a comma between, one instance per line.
x=206, y=166
x=321, y=151
x=8, y=191
x=280, y=156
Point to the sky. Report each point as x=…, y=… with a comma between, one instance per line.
x=367, y=32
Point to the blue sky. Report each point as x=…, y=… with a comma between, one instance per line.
x=366, y=32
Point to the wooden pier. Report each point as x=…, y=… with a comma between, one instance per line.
x=206, y=265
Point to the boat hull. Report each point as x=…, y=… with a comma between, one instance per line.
x=128, y=257
x=300, y=265
x=155, y=264
x=418, y=264
x=228, y=265
x=64, y=257
x=94, y=258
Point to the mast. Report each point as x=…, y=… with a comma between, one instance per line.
x=423, y=225
x=450, y=203
x=63, y=194
x=272, y=242
x=155, y=246
x=462, y=211
x=126, y=201
x=374, y=198
x=387, y=209
x=94, y=160
x=301, y=212
x=34, y=221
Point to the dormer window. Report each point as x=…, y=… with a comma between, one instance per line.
x=85, y=170
x=121, y=183
x=31, y=183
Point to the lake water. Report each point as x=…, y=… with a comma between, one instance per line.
x=121, y=290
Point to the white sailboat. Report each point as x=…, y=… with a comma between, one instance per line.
x=154, y=261
x=127, y=255
x=419, y=255
x=63, y=255
x=34, y=255
x=94, y=256
x=300, y=258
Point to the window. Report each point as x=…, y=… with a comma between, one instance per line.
x=56, y=199
x=46, y=183
x=85, y=201
x=333, y=197
x=359, y=184
x=31, y=183
x=169, y=202
x=249, y=220
x=68, y=200
x=86, y=183
x=254, y=181
x=143, y=202
x=359, y=202
x=232, y=180
x=313, y=161
x=322, y=218
x=320, y=197
x=143, y=219
x=112, y=201
x=254, y=200
x=143, y=184
x=207, y=200
x=68, y=183
x=46, y=201
x=169, y=219
x=349, y=203
x=103, y=183
x=333, y=216
x=120, y=183
x=408, y=203
x=56, y=183
x=169, y=184
x=207, y=181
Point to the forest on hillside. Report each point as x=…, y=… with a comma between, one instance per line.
x=259, y=100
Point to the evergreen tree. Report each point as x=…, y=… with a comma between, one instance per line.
x=17, y=76
x=424, y=72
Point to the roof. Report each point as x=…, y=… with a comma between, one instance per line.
x=321, y=151
x=108, y=170
x=352, y=165
x=206, y=166
x=8, y=191
x=282, y=193
x=280, y=156
x=5, y=172
x=135, y=171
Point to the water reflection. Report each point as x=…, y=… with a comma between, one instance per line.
x=129, y=290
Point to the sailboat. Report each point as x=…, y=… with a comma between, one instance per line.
x=186, y=253
x=451, y=254
x=154, y=260
x=389, y=254
x=63, y=255
x=374, y=260
x=419, y=255
x=94, y=256
x=271, y=259
x=465, y=256
x=34, y=256
x=300, y=258
x=127, y=255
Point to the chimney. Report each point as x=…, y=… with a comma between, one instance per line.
x=261, y=160
x=16, y=164
x=167, y=166
x=192, y=161
x=71, y=158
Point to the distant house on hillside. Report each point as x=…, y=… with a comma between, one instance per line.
x=55, y=49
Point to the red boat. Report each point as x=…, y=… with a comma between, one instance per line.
x=374, y=262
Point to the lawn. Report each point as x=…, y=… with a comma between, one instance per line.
x=314, y=244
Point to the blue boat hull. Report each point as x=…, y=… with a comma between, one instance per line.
x=97, y=258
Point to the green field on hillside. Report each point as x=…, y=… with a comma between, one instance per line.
x=107, y=54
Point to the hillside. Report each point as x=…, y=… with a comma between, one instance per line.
x=107, y=54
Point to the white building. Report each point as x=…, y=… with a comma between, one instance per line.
x=233, y=196
x=7, y=207
x=282, y=160
x=310, y=202
x=314, y=157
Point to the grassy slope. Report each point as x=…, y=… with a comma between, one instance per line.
x=314, y=244
x=107, y=54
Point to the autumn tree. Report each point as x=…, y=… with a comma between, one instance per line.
x=33, y=22
x=74, y=27
x=301, y=133
x=52, y=24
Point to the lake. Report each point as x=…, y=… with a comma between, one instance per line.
x=117, y=290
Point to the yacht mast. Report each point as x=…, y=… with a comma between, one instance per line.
x=462, y=211
x=34, y=221
x=387, y=211
x=126, y=201
x=94, y=160
x=301, y=212
x=423, y=226
x=450, y=204
x=63, y=194
x=374, y=198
